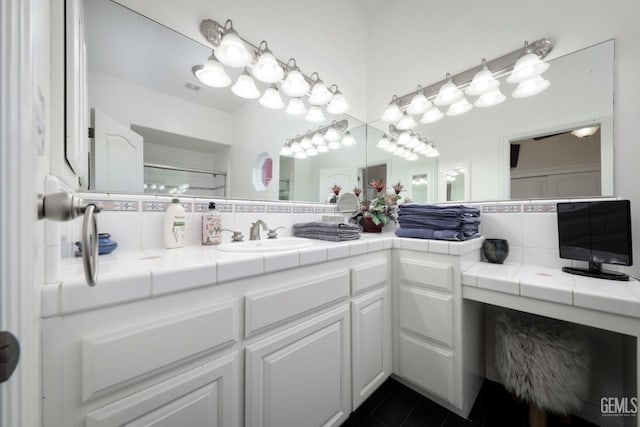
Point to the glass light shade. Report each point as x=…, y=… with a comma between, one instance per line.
x=331, y=135
x=404, y=138
x=338, y=104
x=348, y=139
x=459, y=107
x=334, y=145
x=526, y=67
x=406, y=122
x=322, y=149
x=384, y=142
x=581, y=133
x=392, y=114
x=319, y=95
x=391, y=147
x=482, y=82
x=448, y=94
x=432, y=115
x=266, y=69
x=406, y=154
x=531, y=87
x=433, y=153
x=296, y=148
x=271, y=99
x=311, y=152
x=419, y=104
x=296, y=107
x=315, y=114
x=421, y=147
x=305, y=143
x=490, y=99
x=212, y=73
x=295, y=84
x=317, y=139
x=286, y=151
x=232, y=50
x=399, y=151
x=301, y=155
x=413, y=142
x=245, y=87
x=412, y=157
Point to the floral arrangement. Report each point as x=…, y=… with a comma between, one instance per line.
x=383, y=207
x=336, y=189
x=357, y=191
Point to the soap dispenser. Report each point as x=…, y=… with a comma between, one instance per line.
x=175, y=225
x=211, y=226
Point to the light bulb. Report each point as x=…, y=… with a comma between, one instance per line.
x=315, y=114
x=296, y=107
x=266, y=69
x=286, y=151
x=348, y=139
x=212, y=73
x=419, y=104
x=384, y=142
x=490, y=99
x=406, y=122
x=391, y=147
x=432, y=115
x=421, y=147
x=527, y=66
x=319, y=95
x=392, y=114
x=305, y=143
x=295, y=84
x=295, y=147
x=232, y=51
x=271, y=99
x=583, y=132
x=404, y=138
x=322, y=149
x=317, y=139
x=338, y=104
x=331, y=134
x=245, y=87
x=459, y=107
x=483, y=81
x=334, y=145
x=531, y=87
x=413, y=142
x=311, y=152
x=448, y=93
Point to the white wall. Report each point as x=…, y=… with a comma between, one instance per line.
x=452, y=36
x=325, y=36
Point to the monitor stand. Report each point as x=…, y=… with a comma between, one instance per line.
x=595, y=270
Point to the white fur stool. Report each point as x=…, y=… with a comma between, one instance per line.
x=542, y=362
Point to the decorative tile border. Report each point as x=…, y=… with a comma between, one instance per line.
x=162, y=206
x=249, y=208
x=220, y=207
x=303, y=209
x=116, y=205
x=278, y=209
x=326, y=209
x=502, y=208
x=540, y=207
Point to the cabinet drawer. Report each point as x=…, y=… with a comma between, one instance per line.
x=267, y=308
x=155, y=345
x=427, y=365
x=367, y=276
x=426, y=313
x=435, y=275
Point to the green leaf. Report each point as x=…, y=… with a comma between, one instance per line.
x=375, y=219
x=385, y=219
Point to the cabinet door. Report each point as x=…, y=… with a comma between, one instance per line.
x=301, y=376
x=203, y=397
x=371, y=338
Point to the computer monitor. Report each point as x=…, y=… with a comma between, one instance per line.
x=598, y=232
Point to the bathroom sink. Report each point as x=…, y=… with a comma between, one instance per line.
x=269, y=245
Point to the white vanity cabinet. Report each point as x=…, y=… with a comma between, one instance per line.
x=432, y=348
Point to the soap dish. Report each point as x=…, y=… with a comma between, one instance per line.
x=105, y=245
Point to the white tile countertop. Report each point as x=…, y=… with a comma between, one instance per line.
x=554, y=285
x=126, y=276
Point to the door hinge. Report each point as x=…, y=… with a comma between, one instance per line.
x=9, y=355
x=92, y=133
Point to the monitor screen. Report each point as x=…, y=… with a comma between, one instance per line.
x=598, y=232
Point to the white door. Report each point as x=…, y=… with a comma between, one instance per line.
x=371, y=335
x=117, y=156
x=301, y=376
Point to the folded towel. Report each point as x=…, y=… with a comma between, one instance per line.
x=445, y=211
x=325, y=231
x=426, y=233
x=327, y=236
x=338, y=226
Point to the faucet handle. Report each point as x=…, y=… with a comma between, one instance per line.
x=273, y=233
x=237, y=235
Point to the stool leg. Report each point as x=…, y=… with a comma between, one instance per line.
x=537, y=417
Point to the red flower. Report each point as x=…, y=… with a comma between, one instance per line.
x=378, y=185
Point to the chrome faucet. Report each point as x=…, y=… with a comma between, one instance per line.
x=254, y=231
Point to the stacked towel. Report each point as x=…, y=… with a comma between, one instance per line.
x=447, y=222
x=332, y=231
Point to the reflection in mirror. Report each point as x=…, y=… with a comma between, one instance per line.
x=150, y=110
x=455, y=183
x=419, y=187
x=580, y=95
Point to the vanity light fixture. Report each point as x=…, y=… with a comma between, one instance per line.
x=584, y=132
x=459, y=107
x=527, y=66
x=245, y=87
x=348, y=139
x=315, y=114
x=331, y=134
x=319, y=95
x=406, y=122
x=338, y=104
x=212, y=73
x=392, y=114
x=483, y=81
x=295, y=84
x=419, y=103
x=403, y=138
x=448, y=93
x=286, y=150
x=267, y=69
x=296, y=107
x=320, y=141
x=409, y=144
x=305, y=142
x=271, y=98
x=383, y=142
x=232, y=51
x=391, y=147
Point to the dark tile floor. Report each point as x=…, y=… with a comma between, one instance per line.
x=395, y=405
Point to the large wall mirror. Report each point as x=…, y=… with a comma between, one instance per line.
x=556, y=144
x=157, y=129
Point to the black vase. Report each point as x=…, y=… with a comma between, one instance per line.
x=495, y=250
